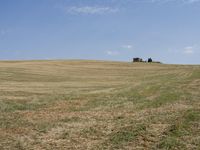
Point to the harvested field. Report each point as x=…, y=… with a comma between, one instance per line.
x=98, y=105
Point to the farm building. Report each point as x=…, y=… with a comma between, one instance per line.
x=137, y=59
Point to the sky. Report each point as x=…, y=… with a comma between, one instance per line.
x=165, y=30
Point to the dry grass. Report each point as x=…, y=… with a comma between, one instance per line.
x=98, y=105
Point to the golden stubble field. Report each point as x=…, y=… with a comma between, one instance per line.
x=98, y=105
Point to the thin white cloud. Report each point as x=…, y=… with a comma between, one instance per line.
x=90, y=10
x=127, y=46
x=112, y=53
x=114, y=6
x=189, y=50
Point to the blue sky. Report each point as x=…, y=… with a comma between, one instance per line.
x=166, y=30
